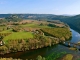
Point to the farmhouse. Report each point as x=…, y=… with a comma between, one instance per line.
x=1, y=43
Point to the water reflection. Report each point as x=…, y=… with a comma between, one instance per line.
x=75, y=36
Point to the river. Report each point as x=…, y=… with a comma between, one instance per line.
x=75, y=36
x=32, y=54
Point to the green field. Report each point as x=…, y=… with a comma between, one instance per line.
x=33, y=25
x=18, y=35
x=21, y=34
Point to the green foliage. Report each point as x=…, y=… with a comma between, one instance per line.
x=3, y=49
x=40, y=58
x=61, y=33
x=51, y=25
x=55, y=55
x=78, y=59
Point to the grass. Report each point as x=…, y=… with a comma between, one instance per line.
x=18, y=35
x=35, y=26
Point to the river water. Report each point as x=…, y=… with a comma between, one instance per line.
x=32, y=54
x=75, y=36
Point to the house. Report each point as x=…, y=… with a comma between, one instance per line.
x=1, y=43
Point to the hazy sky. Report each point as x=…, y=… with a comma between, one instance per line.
x=40, y=6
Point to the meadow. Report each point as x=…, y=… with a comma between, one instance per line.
x=18, y=35
x=33, y=25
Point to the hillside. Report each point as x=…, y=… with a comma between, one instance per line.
x=72, y=21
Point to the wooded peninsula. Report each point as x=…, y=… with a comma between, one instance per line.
x=24, y=35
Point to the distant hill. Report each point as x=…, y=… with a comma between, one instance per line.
x=25, y=16
x=74, y=22
x=4, y=15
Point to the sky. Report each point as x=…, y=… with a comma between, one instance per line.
x=58, y=7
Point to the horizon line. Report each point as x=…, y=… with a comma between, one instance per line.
x=39, y=13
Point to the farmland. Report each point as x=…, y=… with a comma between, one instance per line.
x=31, y=34
x=18, y=35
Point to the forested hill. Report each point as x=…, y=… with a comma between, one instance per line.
x=72, y=21
x=4, y=15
